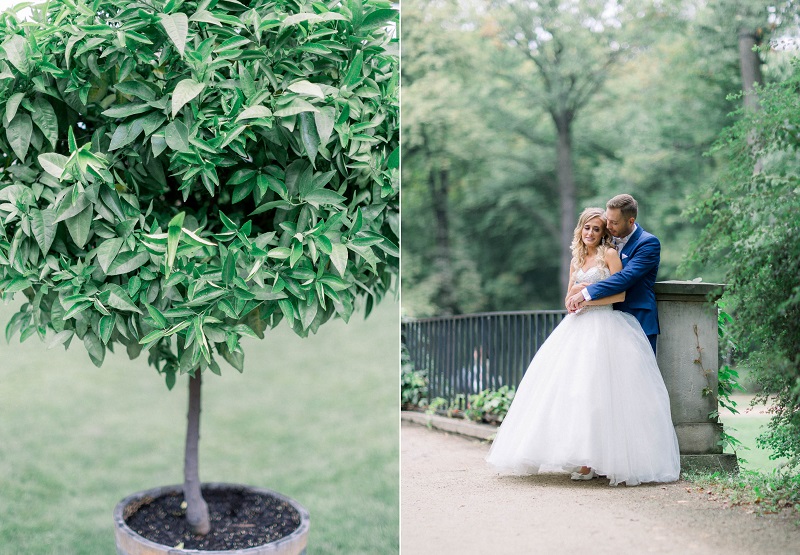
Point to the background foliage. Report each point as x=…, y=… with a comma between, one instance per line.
x=754, y=223
x=658, y=107
x=179, y=175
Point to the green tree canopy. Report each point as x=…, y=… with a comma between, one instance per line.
x=181, y=174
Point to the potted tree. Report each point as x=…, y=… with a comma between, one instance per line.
x=178, y=175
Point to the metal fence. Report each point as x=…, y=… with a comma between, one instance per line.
x=469, y=353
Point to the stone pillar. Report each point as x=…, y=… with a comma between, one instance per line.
x=688, y=356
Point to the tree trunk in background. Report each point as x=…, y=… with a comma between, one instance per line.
x=750, y=67
x=196, y=507
x=439, y=182
x=567, y=194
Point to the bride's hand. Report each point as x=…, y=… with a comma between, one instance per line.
x=575, y=302
x=577, y=288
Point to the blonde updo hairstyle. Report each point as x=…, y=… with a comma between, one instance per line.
x=579, y=250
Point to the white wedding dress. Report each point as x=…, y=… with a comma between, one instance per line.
x=592, y=396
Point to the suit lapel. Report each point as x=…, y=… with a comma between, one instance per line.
x=625, y=254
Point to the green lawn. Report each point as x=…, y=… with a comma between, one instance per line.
x=746, y=429
x=316, y=419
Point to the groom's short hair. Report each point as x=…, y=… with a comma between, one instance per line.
x=626, y=204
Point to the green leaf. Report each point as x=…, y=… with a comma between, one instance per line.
x=60, y=338
x=206, y=17
x=324, y=196
x=300, y=18
x=366, y=241
x=306, y=88
x=17, y=285
x=307, y=313
x=127, y=262
x=68, y=208
x=173, y=238
x=11, y=106
x=44, y=226
x=177, y=136
x=255, y=112
x=157, y=316
x=151, y=122
x=393, y=162
x=152, y=336
x=17, y=53
x=76, y=309
x=264, y=295
x=125, y=134
x=296, y=106
x=184, y=92
x=297, y=253
x=229, y=268
x=308, y=132
x=177, y=28
x=379, y=17
x=287, y=310
x=106, y=328
x=118, y=298
x=129, y=109
x=45, y=119
x=324, y=120
x=353, y=76
x=279, y=253
x=71, y=142
x=19, y=133
x=136, y=89
x=339, y=257
x=335, y=283
x=95, y=348
x=107, y=252
x=158, y=143
x=79, y=226
x=246, y=81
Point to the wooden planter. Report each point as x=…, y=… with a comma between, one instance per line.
x=130, y=543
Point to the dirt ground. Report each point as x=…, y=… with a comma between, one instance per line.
x=452, y=502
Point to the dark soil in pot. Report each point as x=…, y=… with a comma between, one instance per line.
x=239, y=519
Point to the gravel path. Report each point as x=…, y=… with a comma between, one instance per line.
x=453, y=503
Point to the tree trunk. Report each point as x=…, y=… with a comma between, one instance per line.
x=439, y=182
x=567, y=194
x=196, y=507
x=750, y=67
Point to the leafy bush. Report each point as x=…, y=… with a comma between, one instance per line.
x=413, y=383
x=752, y=234
x=487, y=406
x=178, y=175
x=490, y=405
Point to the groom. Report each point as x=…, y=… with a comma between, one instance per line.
x=640, y=253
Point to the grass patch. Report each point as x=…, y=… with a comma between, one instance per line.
x=746, y=429
x=316, y=419
x=763, y=485
x=763, y=492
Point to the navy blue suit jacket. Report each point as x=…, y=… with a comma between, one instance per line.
x=640, y=259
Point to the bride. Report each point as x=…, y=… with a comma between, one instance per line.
x=593, y=397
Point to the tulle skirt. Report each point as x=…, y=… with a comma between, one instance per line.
x=592, y=396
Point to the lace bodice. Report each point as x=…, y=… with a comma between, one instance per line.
x=592, y=275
